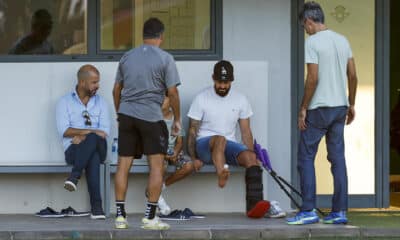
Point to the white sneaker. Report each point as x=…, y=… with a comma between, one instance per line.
x=70, y=186
x=163, y=206
x=121, y=222
x=275, y=211
x=154, y=224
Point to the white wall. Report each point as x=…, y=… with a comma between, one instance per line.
x=257, y=40
x=260, y=30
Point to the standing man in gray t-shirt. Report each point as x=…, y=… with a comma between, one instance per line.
x=329, y=98
x=144, y=74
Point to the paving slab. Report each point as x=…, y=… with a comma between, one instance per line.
x=214, y=226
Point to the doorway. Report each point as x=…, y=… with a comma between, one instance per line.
x=394, y=104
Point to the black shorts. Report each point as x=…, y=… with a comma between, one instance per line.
x=137, y=137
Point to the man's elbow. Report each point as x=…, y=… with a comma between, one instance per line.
x=173, y=92
x=353, y=78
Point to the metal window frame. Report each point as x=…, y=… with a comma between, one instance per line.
x=382, y=109
x=94, y=54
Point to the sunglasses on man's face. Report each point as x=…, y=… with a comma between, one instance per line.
x=86, y=116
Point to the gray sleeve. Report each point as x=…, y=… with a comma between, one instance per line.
x=119, y=76
x=171, y=73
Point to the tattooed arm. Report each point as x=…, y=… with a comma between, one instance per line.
x=193, y=130
x=194, y=126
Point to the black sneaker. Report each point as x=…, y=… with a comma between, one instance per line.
x=97, y=214
x=49, y=213
x=174, y=215
x=70, y=212
x=190, y=214
x=70, y=184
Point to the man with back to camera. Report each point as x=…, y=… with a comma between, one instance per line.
x=83, y=123
x=325, y=106
x=214, y=115
x=144, y=75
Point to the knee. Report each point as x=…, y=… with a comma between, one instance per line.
x=197, y=164
x=218, y=142
x=248, y=159
x=188, y=167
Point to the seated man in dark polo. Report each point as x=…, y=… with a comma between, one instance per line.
x=83, y=123
x=214, y=115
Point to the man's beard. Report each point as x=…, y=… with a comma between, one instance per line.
x=91, y=93
x=222, y=92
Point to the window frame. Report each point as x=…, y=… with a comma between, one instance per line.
x=95, y=54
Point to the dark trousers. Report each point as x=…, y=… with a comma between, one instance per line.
x=87, y=156
x=328, y=122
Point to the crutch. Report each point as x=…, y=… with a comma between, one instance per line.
x=262, y=155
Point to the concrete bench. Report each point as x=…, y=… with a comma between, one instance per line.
x=141, y=169
x=55, y=169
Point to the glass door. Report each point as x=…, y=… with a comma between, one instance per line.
x=356, y=21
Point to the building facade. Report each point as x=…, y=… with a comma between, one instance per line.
x=265, y=43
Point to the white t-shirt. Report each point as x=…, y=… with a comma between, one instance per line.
x=331, y=51
x=219, y=115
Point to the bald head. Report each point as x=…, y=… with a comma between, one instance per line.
x=87, y=71
x=88, y=80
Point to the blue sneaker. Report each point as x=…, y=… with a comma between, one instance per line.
x=303, y=217
x=336, y=218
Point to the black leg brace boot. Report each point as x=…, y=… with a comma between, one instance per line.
x=256, y=207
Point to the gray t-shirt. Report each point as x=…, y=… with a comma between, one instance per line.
x=331, y=51
x=145, y=72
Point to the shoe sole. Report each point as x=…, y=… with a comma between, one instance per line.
x=304, y=221
x=175, y=219
x=280, y=215
x=101, y=217
x=78, y=215
x=121, y=226
x=336, y=221
x=70, y=186
x=50, y=216
x=197, y=217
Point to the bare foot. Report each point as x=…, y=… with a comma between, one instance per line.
x=223, y=177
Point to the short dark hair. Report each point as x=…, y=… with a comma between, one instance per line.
x=152, y=28
x=313, y=11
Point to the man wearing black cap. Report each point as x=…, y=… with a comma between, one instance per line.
x=214, y=115
x=144, y=75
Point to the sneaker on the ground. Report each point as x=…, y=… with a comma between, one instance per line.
x=176, y=215
x=275, y=211
x=163, y=206
x=303, y=217
x=97, y=214
x=49, y=213
x=70, y=184
x=187, y=212
x=336, y=218
x=154, y=224
x=70, y=212
x=121, y=222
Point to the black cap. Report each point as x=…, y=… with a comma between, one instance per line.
x=223, y=71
